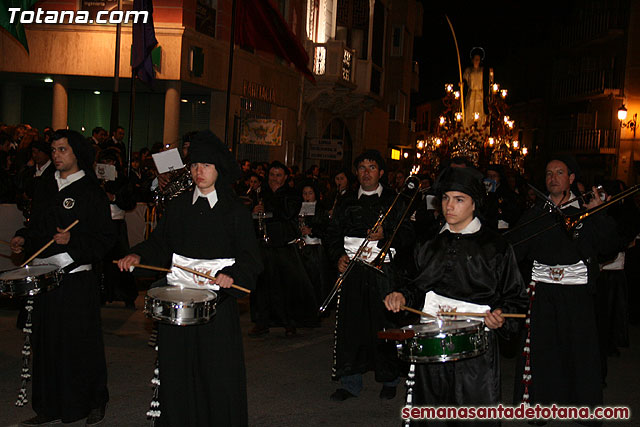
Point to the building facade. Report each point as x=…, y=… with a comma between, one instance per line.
x=360, y=98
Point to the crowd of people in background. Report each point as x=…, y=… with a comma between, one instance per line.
x=305, y=222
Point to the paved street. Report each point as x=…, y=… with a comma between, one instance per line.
x=288, y=378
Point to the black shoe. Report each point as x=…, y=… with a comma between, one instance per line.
x=258, y=331
x=40, y=420
x=387, y=392
x=340, y=395
x=96, y=416
x=290, y=331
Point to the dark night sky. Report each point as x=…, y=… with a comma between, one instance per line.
x=511, y=32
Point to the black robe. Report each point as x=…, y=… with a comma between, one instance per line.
x=479, y=268
x=69, y=368
x=284, y=294
x=361, y=312
x=564, y=356
x=314, y=258
x=119, y=285
x=202, y=373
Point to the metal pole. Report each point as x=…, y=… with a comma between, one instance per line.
x=132, y=108
x=115, y=98
x=230, y=73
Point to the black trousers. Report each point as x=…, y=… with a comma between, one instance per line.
x=69, y=366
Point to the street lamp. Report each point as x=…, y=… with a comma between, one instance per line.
x=631, y=124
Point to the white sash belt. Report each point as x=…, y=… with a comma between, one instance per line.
x=62, y=260
x=573, y=274
x=434, y=303
x=370, y=252
x=179, y=277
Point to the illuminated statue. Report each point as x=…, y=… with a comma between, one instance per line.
x=474, y=98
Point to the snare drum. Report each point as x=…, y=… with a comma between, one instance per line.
x=30, y=280
x=180, y=306
x=443, y=341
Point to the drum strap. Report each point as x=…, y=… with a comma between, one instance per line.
x=25, y=374
x=526, y=352
x=410, y=383
x=154, y=408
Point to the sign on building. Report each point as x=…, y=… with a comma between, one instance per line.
x=261, y=131
x=325, y=149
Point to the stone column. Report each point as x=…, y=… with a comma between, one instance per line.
x=171, y=133
x=60, y=103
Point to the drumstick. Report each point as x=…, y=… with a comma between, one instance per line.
x=148, y=267
x=208, y=276
x=413, y=310
x=4, y=242
x=467, y=314
x=168, y=270
x=42, y=249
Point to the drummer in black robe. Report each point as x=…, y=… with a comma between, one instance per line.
x=202, y=372
x=468, y=267
x=361, y=312
x=561, y=360
x=69, y=368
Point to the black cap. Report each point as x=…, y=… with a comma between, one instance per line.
x=206, y=147
x=465, y=180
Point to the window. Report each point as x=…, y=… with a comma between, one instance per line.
x=206, y=17
x=397, y=41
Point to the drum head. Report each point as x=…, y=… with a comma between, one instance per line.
x=437, y=326
x=28, y=271
x=177, y=294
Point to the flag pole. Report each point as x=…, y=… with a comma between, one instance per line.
x=230, y=73
x=115, y=98
x=132, y=109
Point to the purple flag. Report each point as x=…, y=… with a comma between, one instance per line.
x=144, y=41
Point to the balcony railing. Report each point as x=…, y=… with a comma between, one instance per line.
x=333, y=60
x=588, y=83
x=585, y=140
x=592, y=26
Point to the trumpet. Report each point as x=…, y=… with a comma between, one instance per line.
x=413, y=184
x=262, y=227
x=300, y=240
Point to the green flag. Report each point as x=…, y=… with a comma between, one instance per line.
x=16, y=29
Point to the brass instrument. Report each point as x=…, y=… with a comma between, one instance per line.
x=554, y=209
x=180, y=182
x=412, y=183
x=262, y=227
x=300, y=240
x=572, y=224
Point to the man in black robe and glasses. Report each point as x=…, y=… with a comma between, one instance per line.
x=69, y=368
x=467, y=267
x=201, y=367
